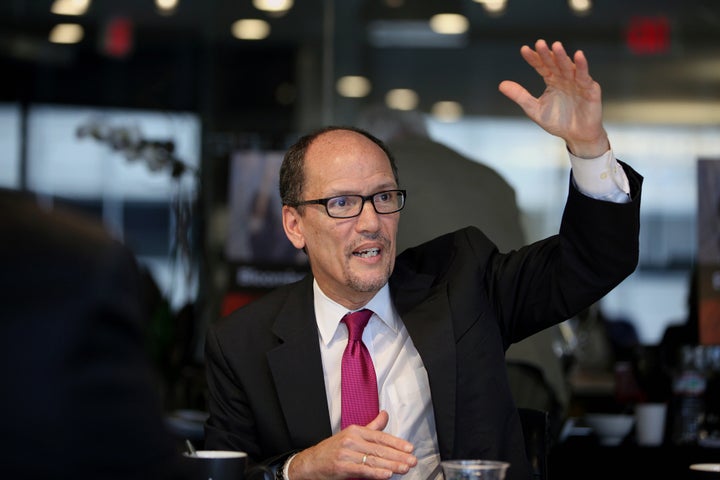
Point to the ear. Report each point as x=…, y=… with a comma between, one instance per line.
x=292, y=224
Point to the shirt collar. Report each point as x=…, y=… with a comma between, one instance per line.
x=329, y=313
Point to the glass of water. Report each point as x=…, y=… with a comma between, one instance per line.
x=474, y=469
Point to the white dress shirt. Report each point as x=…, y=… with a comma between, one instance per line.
x=403, y=386
x=404, y=389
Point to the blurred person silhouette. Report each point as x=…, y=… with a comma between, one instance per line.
x=79, y=398
x=430, y=171
x=686, y=332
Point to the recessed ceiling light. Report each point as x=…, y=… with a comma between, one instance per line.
x=580, y=6
x=447, y=111
x=70, y=7
x=273, y=5
x=166, y=7
x=250, y=29
x=493, y=6
x=353, y=86
x=402, y=99
x=449, y=23
x=66, y=33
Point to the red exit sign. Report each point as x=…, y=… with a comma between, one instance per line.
x=648, y=35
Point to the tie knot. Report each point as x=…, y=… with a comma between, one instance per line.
x=356, y=322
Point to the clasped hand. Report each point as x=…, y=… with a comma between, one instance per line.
x=355, y=452
x=571, y=105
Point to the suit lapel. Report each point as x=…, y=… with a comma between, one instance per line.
x=297, y=371
x=429, y=324
x=296, y=364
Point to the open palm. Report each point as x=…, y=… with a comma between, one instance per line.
x=570, y=107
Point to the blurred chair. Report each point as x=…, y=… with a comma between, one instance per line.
x=531, y=390
x=536, y=430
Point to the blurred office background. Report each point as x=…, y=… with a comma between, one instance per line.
x=165, y=119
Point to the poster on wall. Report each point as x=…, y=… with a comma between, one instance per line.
x=256, y=247
x=708, y=172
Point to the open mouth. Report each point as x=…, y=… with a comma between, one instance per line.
x=370, y=252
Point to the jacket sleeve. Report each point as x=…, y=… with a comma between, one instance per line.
x=554, y=279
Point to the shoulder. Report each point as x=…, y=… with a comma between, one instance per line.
x=27, y=228
x=436, y=255
x=469, y=237
x=62, y=248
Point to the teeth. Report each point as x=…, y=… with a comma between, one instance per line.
x=372, y=252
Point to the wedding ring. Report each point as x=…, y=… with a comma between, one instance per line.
x=364, y=459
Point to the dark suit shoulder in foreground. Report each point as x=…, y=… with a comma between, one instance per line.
x=75, y=372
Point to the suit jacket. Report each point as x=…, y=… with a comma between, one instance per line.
x=78, y=392
x=438, y=180
x=463, y=304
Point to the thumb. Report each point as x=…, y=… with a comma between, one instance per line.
x=518, y=94
x=380, y=422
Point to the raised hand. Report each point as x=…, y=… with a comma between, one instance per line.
x=571, y=106
x=355, y=452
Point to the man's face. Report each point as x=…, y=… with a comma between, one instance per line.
x=351, y=258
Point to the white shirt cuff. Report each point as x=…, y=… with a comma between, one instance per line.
x=601, y=178
x=286, y=467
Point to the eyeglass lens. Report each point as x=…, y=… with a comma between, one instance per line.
x=351, y=205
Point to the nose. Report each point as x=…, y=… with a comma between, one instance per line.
x=369, y=219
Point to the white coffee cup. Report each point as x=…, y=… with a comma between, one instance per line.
x=219, y=464
x=650, y=423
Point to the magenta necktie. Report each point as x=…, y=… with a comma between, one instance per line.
x=359, y=384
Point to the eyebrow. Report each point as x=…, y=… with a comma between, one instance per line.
x=380, y=188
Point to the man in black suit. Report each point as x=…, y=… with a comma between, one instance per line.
x=443, y=312
x=78, y=397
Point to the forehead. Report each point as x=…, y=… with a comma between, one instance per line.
x=343, y=155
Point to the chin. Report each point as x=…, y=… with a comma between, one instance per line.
x=368, y=283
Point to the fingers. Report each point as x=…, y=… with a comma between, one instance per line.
x=554, y=63
x=380, y=450
x=570, y=106
x=582, y=70
x=356, y=452
x=533, y=59
x=565, y=65
x=371, y=464
x=378, y=443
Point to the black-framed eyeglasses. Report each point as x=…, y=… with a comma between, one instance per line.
x=348, y=206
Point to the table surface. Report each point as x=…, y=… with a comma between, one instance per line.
x=627, y=461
